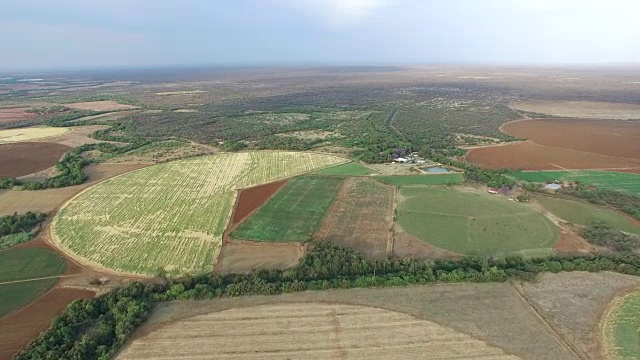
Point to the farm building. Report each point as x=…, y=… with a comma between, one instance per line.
x=492, y=190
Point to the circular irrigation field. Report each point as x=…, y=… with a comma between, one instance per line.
x=170, y=216
x=472, y=223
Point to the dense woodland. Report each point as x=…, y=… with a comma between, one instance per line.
x=15, y=228
x=97, y=328
x=601, y=234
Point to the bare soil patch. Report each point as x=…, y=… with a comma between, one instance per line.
x=406, y=246
x=22, y=326
x=361, y=217
x=19, y=159
x=250, y=199
x=492, y=312
x=571, y=243
x=9, y=115
x=574, y=303
x=50, y=199
x=242, y=257
x=531, y=156
x=104, y=105
x=585, y=109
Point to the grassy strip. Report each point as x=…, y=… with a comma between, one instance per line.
x=350, y=169
x=608, y=180
x=440, y=179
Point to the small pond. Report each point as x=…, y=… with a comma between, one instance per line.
x=436, y=170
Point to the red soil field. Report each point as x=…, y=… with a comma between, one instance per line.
x=565, y=144
x=19, y=159
x=14, y=114
x=571, y=243
x=250, y=199
x=24, y=325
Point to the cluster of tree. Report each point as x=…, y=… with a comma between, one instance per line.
x=47, y=110
x=287, y=143
x=70, y=171
x=62, y=119
x=627, y=202
x=15, y=228
x=97, y=328
x=601, y=234
x=9, y=183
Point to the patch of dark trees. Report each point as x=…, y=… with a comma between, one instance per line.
x=602, y=234
x=26, y=226
x=97, y=328
x=624, y=201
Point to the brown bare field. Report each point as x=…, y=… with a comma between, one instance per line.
x=19, y=159
x=574, y=304
x=361, y=217
x=531, y=156
x=24, y=325
x=570, y=243
x=238, y=257
x=604, y=137
x=583, y=109
x=104, y=105
x=250, y=199
x=8, y=115
x=300, y=325
x=50, y=199
x=309, y=331
x=406, y=246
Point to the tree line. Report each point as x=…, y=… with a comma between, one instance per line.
x=97, y=328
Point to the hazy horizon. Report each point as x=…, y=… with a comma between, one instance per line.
x=76, y=34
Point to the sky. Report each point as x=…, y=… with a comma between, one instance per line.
x=71, y=34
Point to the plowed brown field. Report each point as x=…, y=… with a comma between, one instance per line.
x=361, y=217
x=565, y=144
x=239, y=257
x=9, y=115
x=309, y=331
x=103, y=105
x=24, y=325
x=250, y=199
x=19, y=159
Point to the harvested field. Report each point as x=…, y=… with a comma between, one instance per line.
x=582, y=109
x=79, y=136
x=621, y=338
x=24, y=325
x=104, y=105
x=361, y=218
x=605, y=137
x=50, y=199
x=126, y=224
x=531, y=156
x=574, y=303
x=582, y=214
x=474, y=223
x=30, y=133
x=309, y=331
x=250, y=199
x=491, y=313
x=243, y=257
x=9, y=115
x=294, y=213
x=24, y=158
x=407, y=246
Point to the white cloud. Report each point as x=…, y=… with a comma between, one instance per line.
x=339, y=13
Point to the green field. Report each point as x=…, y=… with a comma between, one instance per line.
x=350, y=169
x=440, y=179
x=622, y=329
x=26, y=264
x=473, y=223
x=609, y=180
x=580, y=213
x=170, y=216
x=294, y=213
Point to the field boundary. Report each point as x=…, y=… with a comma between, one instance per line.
x=604, y=344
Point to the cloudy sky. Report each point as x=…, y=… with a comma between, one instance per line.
x=98, y=33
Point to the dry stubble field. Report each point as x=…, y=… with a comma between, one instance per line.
x=582, y=109
x=483, y=320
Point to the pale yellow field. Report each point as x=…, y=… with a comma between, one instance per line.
x=30, y=133
x=580, y=109
x=309, y=331
x=170, y=216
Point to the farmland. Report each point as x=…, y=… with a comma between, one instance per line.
x=292, y=214
x=23, y=158
x=440, y=179
x=621, y=334
x=580, y=213
x=602, y=179
x=27, y=274
x=582, y=109
x=103, y=105
x=126, y=224
x=361, y=217
x=31, y=133
x=474, y=223
x=350, y=169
